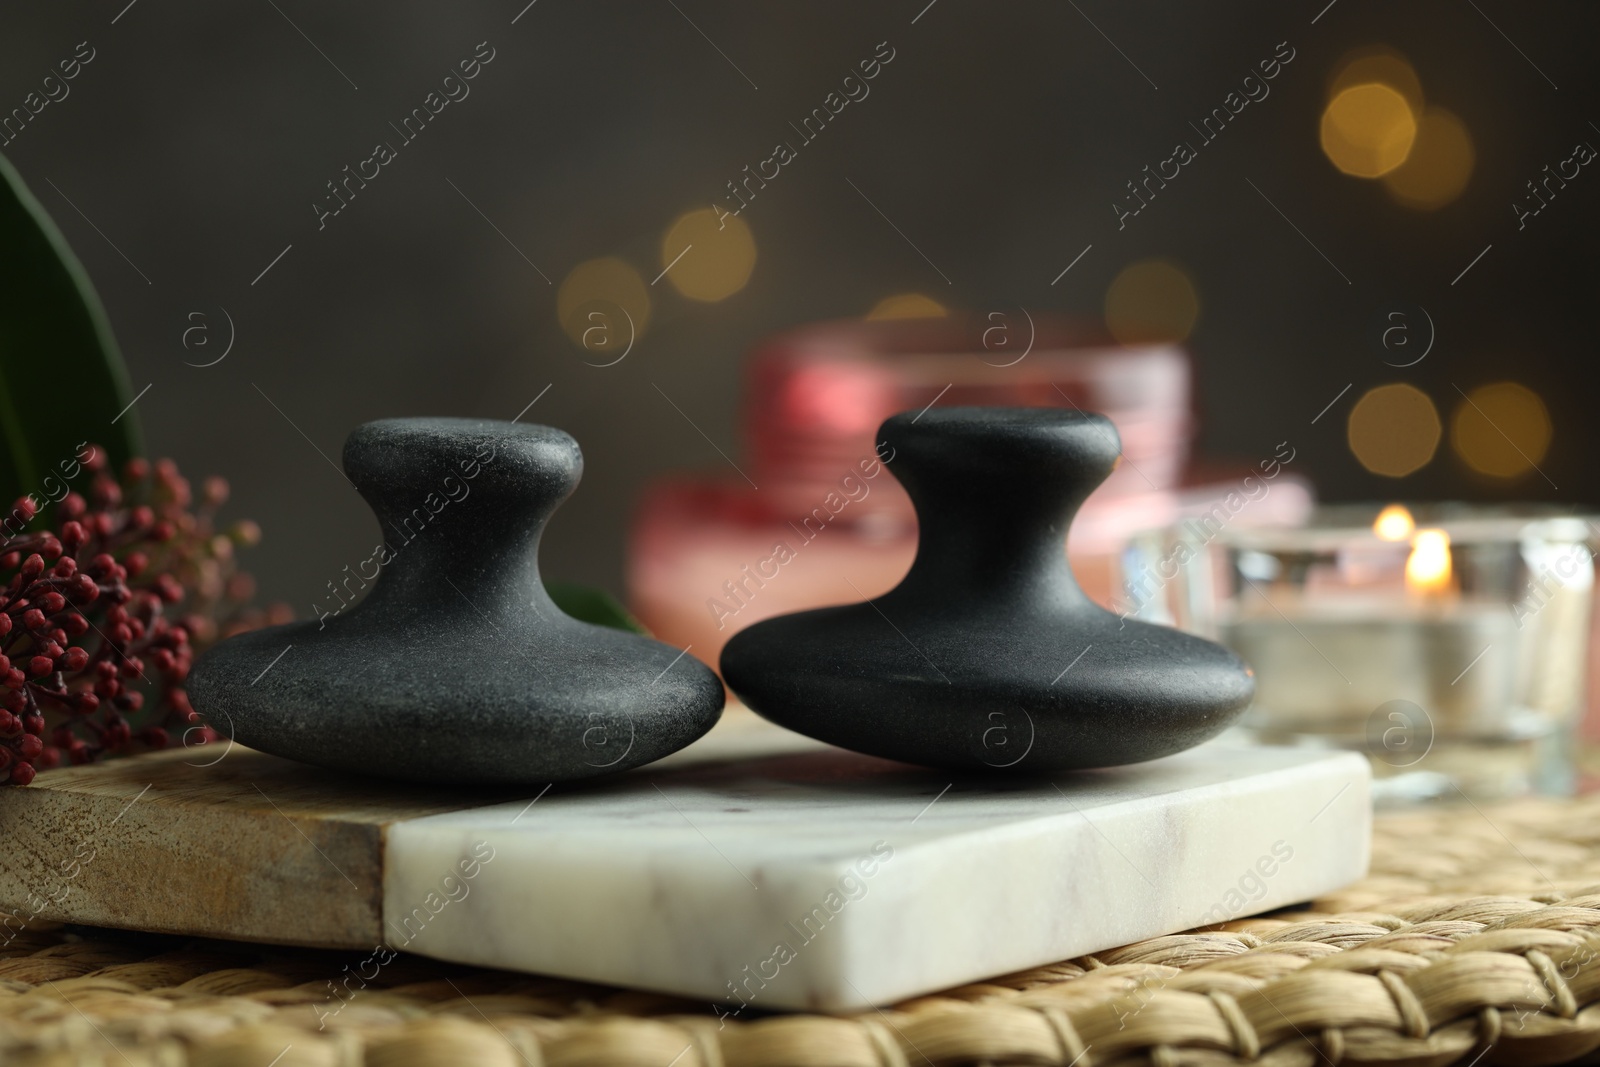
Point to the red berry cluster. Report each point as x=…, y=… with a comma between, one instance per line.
x=100, y=619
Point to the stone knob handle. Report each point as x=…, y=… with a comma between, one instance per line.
x=995, y=490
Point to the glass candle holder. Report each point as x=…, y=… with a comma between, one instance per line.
x=1449, y=646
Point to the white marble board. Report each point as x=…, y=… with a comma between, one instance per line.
x=764, y=871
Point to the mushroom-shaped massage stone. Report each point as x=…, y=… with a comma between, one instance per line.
x=988, y=654
x=457, y=667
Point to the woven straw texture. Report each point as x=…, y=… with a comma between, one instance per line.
x=1475, y=940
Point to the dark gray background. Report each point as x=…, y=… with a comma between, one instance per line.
x=200, y=135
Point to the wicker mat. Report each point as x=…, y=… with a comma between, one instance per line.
x=1474, y=940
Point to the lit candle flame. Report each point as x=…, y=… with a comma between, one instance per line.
x=1394, y=523
x=1428, y=566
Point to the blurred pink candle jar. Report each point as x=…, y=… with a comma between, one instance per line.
x=829, y=523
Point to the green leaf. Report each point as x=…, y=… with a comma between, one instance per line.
x=62, y=380
x=587, y=604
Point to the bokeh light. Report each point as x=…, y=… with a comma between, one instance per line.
x=1439, y=165
x=1394, y=523
x=1368, y=130
x=1381, y=64
x=1502, y=430
x=1151, y=301
x=1428, y=565
x=1394, y=430
x=604, y=306
x=719, y=256
x=907, y=306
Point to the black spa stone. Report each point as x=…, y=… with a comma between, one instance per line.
x=456, y=667
x=988, y=655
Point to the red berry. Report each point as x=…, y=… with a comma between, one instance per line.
x=61, y=736
x=25, y=507
x=34, y=724
x=49, y=758
x=15, y=679
x=51, y=547
x=22, y=774
x=52, y=602
x=65, y=567
x=100, y=524
x=29, y=747
x=136, y=469
x=133, y=667
x=78, y=752
x=121, y=635
x=74, y=659
x=10, y=725
x=72, y=508
x=83, y=589
x=39, y=666
x=10, y=560
x=136, y=563
x=117, y=734
x=5, y=624
x=5, y=663
x=102, y=564
x=75, y=625
x=168, y=589
x=87, y=702
x=33, y=619
x=163, y=531
x=33, y=566
x=72, y=538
